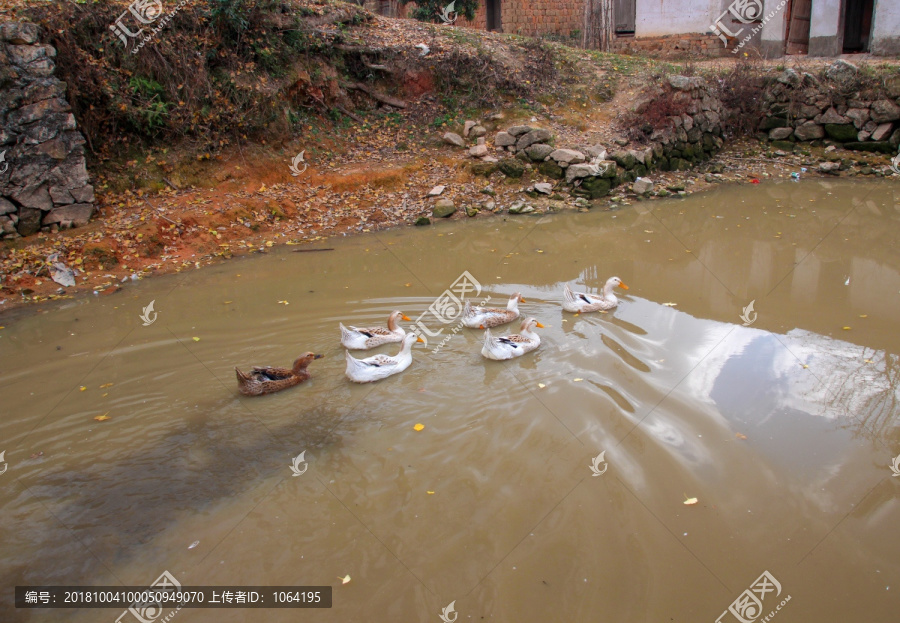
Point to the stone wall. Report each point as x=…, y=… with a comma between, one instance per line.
x=672, y=46
x=43, y=179
x=801, y=107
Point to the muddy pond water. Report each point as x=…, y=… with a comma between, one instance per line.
x=782, y=422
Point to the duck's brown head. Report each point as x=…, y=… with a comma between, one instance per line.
x=304, y=360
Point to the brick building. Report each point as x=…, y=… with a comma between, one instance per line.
x=772, y=28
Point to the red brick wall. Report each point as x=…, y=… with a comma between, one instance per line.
x=521, y=17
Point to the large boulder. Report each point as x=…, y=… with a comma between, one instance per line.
x=841, y=132
x=504, y=139
x=569, y=156
x=884, y=110
x=531, y=137
x=443, y=208
x=76, y=213
x=779, y=134
x=809, y=131
x=538, y=152
x=577, y=171
x=452, y=138
x=841, y=71
x=512, y=167
x=551, y=169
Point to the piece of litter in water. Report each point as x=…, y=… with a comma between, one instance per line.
x=669, y=304
x=541, y=385
x=196, y=339
x=194, y=544
x=690, y=501
x=418, y=427
x=740, y=435
x=578, y=380
x=345, y=579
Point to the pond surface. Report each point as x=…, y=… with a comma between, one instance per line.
x=784, y=430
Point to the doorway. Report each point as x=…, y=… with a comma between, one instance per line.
x=797, y=39
x=857, y=25
x=625, y=16
x=493, y=11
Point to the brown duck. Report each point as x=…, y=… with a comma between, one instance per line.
x=265, y=380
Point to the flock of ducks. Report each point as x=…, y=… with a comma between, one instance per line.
x=267, y=380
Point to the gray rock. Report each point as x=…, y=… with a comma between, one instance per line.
x=61, y=196
x=790, y=77
x=19, y=33
x=683, y=83
x=538, y=135
x=512, y=168
x=423, y=220
x=569, y=156
x=519, y=130
x=870, y=126
x=830, y=167
x=478, y=131
x=596, y=152
x=520, y=208
x=605, y=168
x=467, y=127
x=884, y=110
x=29, y=221
x=6, y=207
x=832, y=116
x=35, y=196
x=478, y=151
x=7, y=226
x=543, y=188
x=437, y=190
x=538, y=152
x=779, y=134
x=504, y=139
x=453, y=138
x=621, y=142
x=839, y=132
x=443, y=208
x=841, y=71
x=77, y=213
x=687, y=122
x=24, y=55
x=577, y=171
x=863, y=136
x=882, y=132
x=859, y=116
x=642, y=186
x=85, y=194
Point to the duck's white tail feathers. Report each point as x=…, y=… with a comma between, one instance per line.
x=346, y=334
x=467, y=309
x=488, y=338
x=568, y=294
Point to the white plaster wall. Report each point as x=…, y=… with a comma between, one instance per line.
x=774, y=29
x=655, y=18
x=825, y=17
x=886, y=18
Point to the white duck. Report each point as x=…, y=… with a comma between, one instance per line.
x=378, y=367
x=583, y=302
x=356, y=338
x=507, y=347
x=487, y=317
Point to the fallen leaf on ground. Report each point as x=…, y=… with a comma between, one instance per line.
x=418, y=427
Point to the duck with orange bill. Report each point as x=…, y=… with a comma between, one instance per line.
x=515, y=345
x=584, y=302
x=356, y=338
x=379, y=367
x=487, y=317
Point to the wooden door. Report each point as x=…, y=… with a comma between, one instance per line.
x=624, y=12
x=797, y=40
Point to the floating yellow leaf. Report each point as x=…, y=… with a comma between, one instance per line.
x=578, y=380
x=408, y=285
x=430, y=492
x=669, y=304
x=102, y=418
x=82, y=388
x=541, y=385
x=846, y=328
x=690, y=501
x=283, y=303
x=418, y=427
x=196, y=339
x=861, y=316
x=226, y=302
x=269, y=243
x=345, y=579
x=105, y=385
x=740, y=435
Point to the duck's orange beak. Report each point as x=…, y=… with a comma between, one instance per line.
x=419, y=339
x=538, y=325
x=405, y=317
x=522, y=299
x=623, y=286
